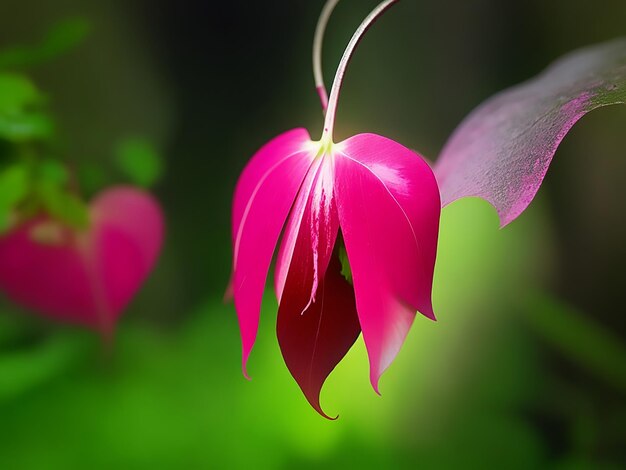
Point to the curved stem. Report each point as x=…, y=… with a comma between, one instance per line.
x=329, y=122
x=317, y=51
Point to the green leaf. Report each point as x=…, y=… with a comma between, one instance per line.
x=61, y=38
x=13, y=185
x=139, y=161
x=16, y=93
x=63, y=206
x=24, y=127
x=20, y=120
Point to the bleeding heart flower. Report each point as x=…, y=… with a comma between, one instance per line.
x=379, y=201
x=369, y=192
x=85, y=277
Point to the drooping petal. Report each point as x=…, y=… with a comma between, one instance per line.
x=388, y=205
x=84, y=277
x=317, y=320
x=503, y=149
x=263, y=160
x=285, y=144
x=261, y=221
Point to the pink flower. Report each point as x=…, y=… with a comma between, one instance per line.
x=84, y=277
x=369, y=192
x=380, y=202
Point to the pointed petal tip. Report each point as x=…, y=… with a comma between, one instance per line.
x=317, y=407
x=324, y=415
x=244, y=363
x=374, y=380
x=244, y=371
x=430, y=314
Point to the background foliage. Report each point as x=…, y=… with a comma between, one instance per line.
x=525, y=367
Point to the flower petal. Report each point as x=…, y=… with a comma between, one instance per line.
x=503, y=149
x=388, y=205
x=260, y=222
x=315, y=341
x=261, y=162
x=266, y=157
x=317, y=320
x=292, y=229
x=136, y=214
x=86, y=277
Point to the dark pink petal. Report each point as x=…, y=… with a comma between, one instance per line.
x=389, y=206
x=84, y=277
x=503, y=149
x=260, y=220
x=317, y=320
x=314, y=342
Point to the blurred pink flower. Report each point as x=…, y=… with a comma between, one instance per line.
x=85, y=277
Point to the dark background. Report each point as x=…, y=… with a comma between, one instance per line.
x=210, y=82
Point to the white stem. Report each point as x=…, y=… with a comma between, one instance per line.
x=320, y=29
x=329, y=122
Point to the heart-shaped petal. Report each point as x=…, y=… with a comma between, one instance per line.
x=85, y=277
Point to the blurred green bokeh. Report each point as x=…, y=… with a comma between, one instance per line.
x=524, y=367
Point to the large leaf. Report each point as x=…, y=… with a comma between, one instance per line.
x=502, y=151
x=16, y=93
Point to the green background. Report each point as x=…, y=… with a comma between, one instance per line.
x=525, y=367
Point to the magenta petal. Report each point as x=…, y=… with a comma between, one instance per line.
x=135, y=214
x=261, y=162
x=317, y=320
x=84, y=277
x=388, y=204
x=278, y=170
x=503, y=149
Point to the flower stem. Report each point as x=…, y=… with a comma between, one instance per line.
x=329, y=121
x=320, y=29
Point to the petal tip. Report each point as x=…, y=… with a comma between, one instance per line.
x=244, y=365
x=317, y=407
x=430, y=314
x=324, y=415
x=374, y=380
